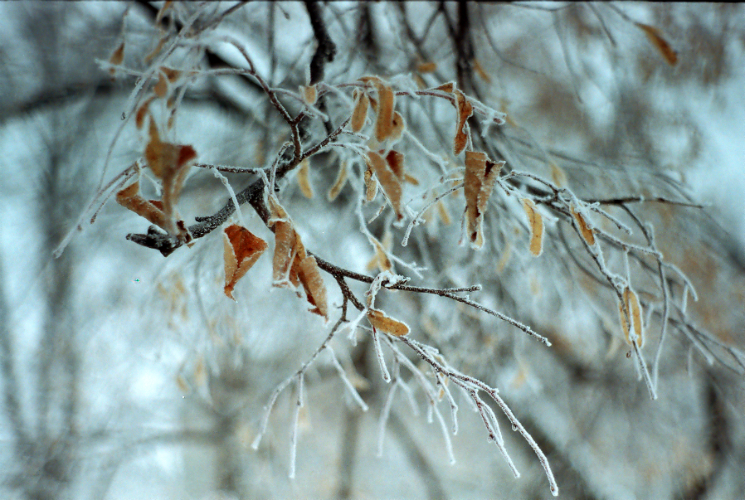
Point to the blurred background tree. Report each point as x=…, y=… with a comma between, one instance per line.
x=126, y=375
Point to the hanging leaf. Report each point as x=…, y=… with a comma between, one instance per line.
x=303, y=178
x=395, y=161
x=360, y=112
x=315, y=291
x=131, y=199
x=371, y=185
x=341, y=180
x=116, y=58
x=380, y=259
x=631, y=310
x=399, y=125
x=389, y=181
x=241, y=251
x=536, y=227
x=382, y=322
x=465, y=110
x=585, y=230
x=384, y=119
x=161, y=87
x=481, y=174
x=660, y=43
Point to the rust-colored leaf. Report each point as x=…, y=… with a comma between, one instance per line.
x=481, y=174
x=536, y=227
x=426, y=67
x=171, y=74
x=131, y=199
x=315, y=291
x=341, y=180
x=585, y=230
x=465, y=110
x=395, y=161
x=303, y=178
x=241, y=251
x=360, y=112
x=157, y=49
x=285, y=250
x=664, y=48
x=384, y=323
x=142, y=113
x=389, y=181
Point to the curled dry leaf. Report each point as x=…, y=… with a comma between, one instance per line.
x=341, y=180
x=309, y=93
x=536, y=227
x=360, y=112
x=380, y=259
x=384, y=120
x=465, y=110
x=660, y=43
x=384, y=323
x=481, y=174
x=630, y=309
x=170, y=163
x=241, y=251
x=585, y=230
x=371, y=185
x=388, y=179
x=395, y=161
x=131, y=199
x=303, y=178
x=446, y=87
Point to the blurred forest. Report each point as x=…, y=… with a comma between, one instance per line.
x=584, y=288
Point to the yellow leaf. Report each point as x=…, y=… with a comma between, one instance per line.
x=309, y=94
x=631, y=310
x=585, y=230
x=382, y=322
x=241, y=251
x=536, y=227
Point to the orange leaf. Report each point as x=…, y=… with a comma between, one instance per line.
x=446, y=87
x=399, y=125
x=395, y=161
x=380, y=321
x=481, y=174
x=384, y=120
x=315, y=290
x=241, y=250
x=117, y=58
x=465, y=110
x=131, y=199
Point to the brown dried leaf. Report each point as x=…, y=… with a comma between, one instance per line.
x=411, y=179
x=384, y=119
x=426, y=67
x=171, y=74
x=585, y=230
x=446, y=87
x=142, y=113
x=285, y=250
x=157, y=49
x=389, y=181
x=315, y=290
x=303, y=178
x=131, y=199
x=161, y=87
x=116, y=58
x=660, y=43
x=241, y=251
x=309, y=93
x=371, y=185
x=465, y=110
x=395, y=161
x=536, y=227
x=360, y=112
x=341, y=180
x=380, y=260
x=633, y=309
x=399, y=125
x=481, y=174
x=382, y=322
